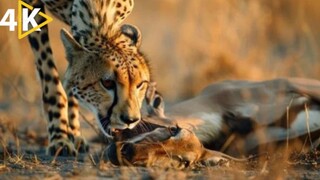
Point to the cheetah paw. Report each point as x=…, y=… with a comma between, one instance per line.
x=61, y=147
x=81, y=145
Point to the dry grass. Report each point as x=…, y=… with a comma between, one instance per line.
x=190, y=44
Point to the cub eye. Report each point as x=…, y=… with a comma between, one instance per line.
x=140, y=84
x=108, y=84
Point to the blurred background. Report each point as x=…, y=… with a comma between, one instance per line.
x=190, y=43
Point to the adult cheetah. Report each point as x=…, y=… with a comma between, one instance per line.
x=106, y=71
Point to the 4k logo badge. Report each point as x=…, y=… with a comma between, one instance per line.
x=24, y=19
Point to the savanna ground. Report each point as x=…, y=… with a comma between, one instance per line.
x=190, y=44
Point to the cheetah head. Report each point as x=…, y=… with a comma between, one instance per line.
x=107, y=73
x=112, y=82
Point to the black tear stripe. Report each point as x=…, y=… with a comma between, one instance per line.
x=115, y=101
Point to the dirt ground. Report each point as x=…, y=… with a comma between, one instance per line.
x=36, y=165
x=22, y=156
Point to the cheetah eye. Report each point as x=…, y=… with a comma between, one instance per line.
x=108, y=84
x=140, y=84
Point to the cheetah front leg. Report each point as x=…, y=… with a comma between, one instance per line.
x=61, y=112
x=80, y=143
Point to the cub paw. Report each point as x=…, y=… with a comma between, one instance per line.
x=80, y=144
x=61, y=147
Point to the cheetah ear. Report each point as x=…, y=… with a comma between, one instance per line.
x=133, y=33
x=72, y=47
x=70, y=44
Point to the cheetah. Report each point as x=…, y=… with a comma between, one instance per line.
x=107, y=73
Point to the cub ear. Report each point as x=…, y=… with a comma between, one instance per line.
x=133, y=33
x=71, y=46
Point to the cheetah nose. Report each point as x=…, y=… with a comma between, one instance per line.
x=128, y=120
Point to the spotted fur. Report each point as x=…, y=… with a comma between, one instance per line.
x=106, y=70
